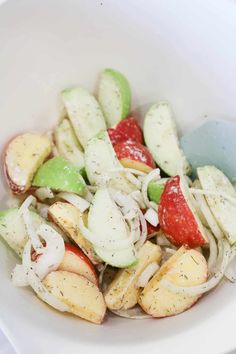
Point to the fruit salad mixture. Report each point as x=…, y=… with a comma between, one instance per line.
x=104, y=215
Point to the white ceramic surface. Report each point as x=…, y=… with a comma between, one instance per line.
x=180, y=50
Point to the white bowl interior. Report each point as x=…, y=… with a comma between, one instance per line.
x=181, y=51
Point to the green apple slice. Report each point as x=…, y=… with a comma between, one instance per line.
x=107, y=222
x=161, y=138
x=101, y=163
x=12, y=228
x=114, y=96
x=67, y=144
x=224, y=211
x=60, y=175
x=155, y=189
x=84, y=113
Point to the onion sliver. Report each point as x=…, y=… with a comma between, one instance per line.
x=135, y=313
x=207, y=286
x=208, y=216
x=78, y=202
x=213, y=249
x=26, y=204
x=37, y=285
x=44, y=193
x=53, y=252
x=152, y=217
x=143, y=235
x=213, y=194
x=230, y=272
x=138, y=197
x=42, y=210
x=146, y=275
x=24, y=212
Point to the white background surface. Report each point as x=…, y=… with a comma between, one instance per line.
x=5, y=346
x=169, y=49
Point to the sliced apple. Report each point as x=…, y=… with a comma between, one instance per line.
x=101, y=163
x=67, y=144
x=81, y=295
x=185, y=268
x=60, y=175
x=75, y=261
x=114, y=96
x=84, y=113
x=161, y=138
x=106, y=221
x=127, y=129
x=123, y=292
x=214, y=181
x=178, y=217
x=134, y=155
x=24, y=155
x=12, y=228
x=66, y=216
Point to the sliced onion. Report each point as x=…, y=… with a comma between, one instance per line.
x=107, y=244
x=53, y=252
x=132, y=179
x=161, y=240
x=214, y=194
x=230, y=272
x=42, y=210
x=33, y=236
x=37, y=285
x=213, y=249
x=80, y=203
x=44, y=193
x=208, y=215
x=138, y=197
x=135, y=313
x=152, y=217
x=146, y=275
x=88, y=194
x=154, y=175
x=101, y=274
x=129, y=170
x=26, y=204
x=207, y=286
x=143, y=236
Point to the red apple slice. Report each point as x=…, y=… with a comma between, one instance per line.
x=75, y=261
x=177, y=216
x=127, y=129
x=134, y=155
x=24, y=155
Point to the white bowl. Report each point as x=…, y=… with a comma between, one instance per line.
x=183, y=51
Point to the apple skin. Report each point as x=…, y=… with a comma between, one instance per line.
x=152, y=230
x=127, y=129
x=185, y=268
x=176, y=218
x=136, y=153
x=23, y=155
x=76, y=261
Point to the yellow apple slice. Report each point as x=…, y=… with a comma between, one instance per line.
x=81, y=295
x=123, y=291
x=67, y=216
x=24, y=155
x=185, y=268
